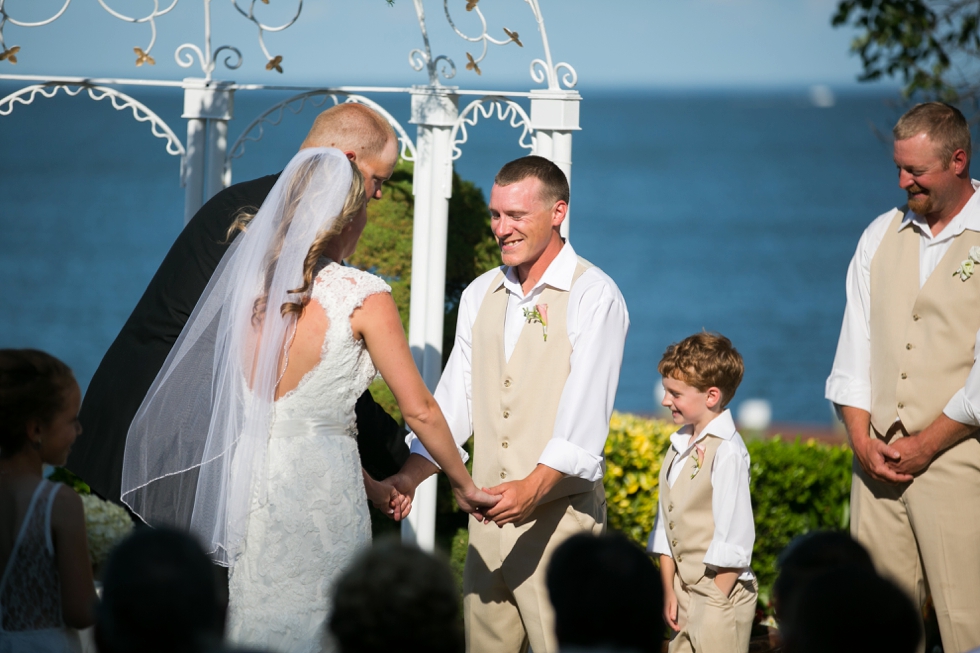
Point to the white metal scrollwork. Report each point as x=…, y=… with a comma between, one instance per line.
x=10, y=53
x=273, y=61
x=506, y=109
x=120, y=101
x=274, y=115
x=542, y=70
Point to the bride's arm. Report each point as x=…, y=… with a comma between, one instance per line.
x=378, y=323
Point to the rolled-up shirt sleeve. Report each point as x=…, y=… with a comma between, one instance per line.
x=964, y=407
x=849, y=383
x=598, y=322
x=731, y=507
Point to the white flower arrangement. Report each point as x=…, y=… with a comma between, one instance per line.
x=106, y=524
x=965, y=271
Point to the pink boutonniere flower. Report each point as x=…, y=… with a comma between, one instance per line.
x=698, y=459
x=539, y=315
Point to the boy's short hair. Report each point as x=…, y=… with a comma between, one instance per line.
x=704, y=360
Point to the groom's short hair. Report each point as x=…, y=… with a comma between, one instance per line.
x=553, y=180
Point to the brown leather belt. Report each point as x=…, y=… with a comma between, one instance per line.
x=894, y=429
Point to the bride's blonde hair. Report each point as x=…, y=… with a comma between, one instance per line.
x=353, y=204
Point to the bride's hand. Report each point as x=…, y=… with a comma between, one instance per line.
x=474, y=500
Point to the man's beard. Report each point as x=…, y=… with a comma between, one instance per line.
x=920, y=205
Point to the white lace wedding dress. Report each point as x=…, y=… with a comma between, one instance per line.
x=316, y=517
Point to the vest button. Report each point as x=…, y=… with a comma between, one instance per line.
x=901, y=405
x=670, y=508
x=503, y=474
x=506, y=414
x=503, y=444
x=680, y=558
x=506, y=383
x=673, y=542
x=904, y=375
x=670, y=525
x=908, y=345
x=915, y=316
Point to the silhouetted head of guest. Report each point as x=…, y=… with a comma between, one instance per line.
x=853, y=610
x=606, y=594
x=159, y=595
x=395, y=597
x=807, y=557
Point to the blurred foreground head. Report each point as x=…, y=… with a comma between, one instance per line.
x=606, y=594
x=807, y=557
x=395, y=597
x=853, y=610
x=159, y=595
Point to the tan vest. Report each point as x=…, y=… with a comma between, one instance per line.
x=690, y=523
x=515, y=401
x=922, y=340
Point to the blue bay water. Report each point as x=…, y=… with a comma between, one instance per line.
x=734, y=212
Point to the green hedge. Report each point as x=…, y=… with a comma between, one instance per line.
x=796, y=487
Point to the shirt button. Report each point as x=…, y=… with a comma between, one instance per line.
x=507, y=383
x=904, y=375
x=506, y=414
x=908, y=345
x=915, y=316
x=503, y=474
x=901, y=405
x=503, y=444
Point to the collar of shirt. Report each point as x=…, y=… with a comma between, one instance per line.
x=968, y=218
x=722, y=426
x=558, y=275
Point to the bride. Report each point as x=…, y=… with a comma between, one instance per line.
x=247, y=435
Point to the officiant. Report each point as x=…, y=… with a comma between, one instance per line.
x=532, y=378
x=135, y=357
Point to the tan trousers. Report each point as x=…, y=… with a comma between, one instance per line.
x=710, y=621
x=925, y=536
x=506, y=606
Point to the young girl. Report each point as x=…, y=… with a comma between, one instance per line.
x=46, y=587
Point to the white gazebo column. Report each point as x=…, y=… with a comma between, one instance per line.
x=208, y=106
x=554, y=116
x=434, y=110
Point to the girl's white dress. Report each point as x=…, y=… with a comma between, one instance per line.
x=30, y=590
x=315, y=518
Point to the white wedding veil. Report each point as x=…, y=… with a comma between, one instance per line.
x=196, y=450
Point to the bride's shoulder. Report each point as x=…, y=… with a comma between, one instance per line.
x=349, y=281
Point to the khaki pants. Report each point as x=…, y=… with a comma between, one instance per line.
x=505, y=604
x=710, y=621
x=925, y=536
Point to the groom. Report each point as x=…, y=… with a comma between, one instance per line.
x=139, y=351
x=532, y=377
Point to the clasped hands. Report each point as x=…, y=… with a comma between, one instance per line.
x=508, y=503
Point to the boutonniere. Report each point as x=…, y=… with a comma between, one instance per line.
x=698, y=459
x=965, y=271
x=539, y=315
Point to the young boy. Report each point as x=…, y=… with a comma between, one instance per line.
x=704, y=531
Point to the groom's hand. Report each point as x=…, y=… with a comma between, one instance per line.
x=518, y=499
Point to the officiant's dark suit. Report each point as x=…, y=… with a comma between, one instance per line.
x=132, y=362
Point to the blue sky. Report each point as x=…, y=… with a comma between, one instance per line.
x=611, y=43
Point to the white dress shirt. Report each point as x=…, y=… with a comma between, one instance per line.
x=597, y=322
x=849, y=383
x=731, y=504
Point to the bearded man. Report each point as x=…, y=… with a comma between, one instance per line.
x=906, y=379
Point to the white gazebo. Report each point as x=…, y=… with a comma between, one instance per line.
x=546, y=118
